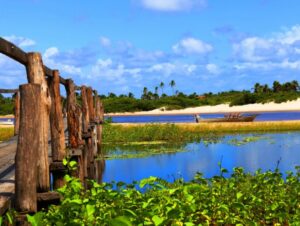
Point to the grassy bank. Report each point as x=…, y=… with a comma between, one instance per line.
x=6, y=133
x=187, y=131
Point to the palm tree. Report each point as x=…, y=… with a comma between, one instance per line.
x=156, y=89
x=130, y=95
x=145, y=93
x=295, y=85
x=161, y=85
x=276, y=86
x=172, y=84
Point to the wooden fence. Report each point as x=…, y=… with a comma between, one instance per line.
x=38, y=110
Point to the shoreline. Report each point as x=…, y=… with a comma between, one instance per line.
x=290, y=106
x=146, y=113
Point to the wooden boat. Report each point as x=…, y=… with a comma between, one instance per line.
x=7, y=122
x=232, y=117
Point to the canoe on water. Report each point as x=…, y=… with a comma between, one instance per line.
x=232, y=117
x=7, y=122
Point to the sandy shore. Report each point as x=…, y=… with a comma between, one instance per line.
x=223, y=108
x=6, y=116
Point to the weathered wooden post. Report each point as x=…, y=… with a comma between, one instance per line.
x=74, y=119
x=36, y=75
x=17, y=113
x=28, y=148
x=92, y=148
x=100, y=163
x=85, y=128
x=90, y=101
x=73, y=112
x=57, y=131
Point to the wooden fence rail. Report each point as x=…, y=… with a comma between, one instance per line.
x=38, y=110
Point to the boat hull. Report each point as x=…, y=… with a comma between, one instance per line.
x=249, y=118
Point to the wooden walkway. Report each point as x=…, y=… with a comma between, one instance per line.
x=7, y=173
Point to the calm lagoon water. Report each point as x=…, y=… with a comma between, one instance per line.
x=200, y=157
x=264, y=116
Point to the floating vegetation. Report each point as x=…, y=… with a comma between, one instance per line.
x=247, y=139
x=127, y=151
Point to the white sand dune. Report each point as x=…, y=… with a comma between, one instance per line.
x=224, y=108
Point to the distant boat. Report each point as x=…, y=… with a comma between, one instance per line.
x=7, y=122
x=232, y=117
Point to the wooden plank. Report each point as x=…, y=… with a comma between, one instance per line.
x=75, y=152
x=48, y=196
x=57, y=166
x=28, y=148
x=7, y=190
x=12, y=51
x=56, y=120
x=9, y=90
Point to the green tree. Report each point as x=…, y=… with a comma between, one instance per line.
x=162, y=85
x=130, y=95
x=156, y=90
x=276, y=86
x=172, y=84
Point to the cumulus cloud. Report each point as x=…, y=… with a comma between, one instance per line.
x=282, y=50
x=192, y=46
x=213, y=69
x=173, y=5
x=65, y=62
x=20, y=41
x=175, y=68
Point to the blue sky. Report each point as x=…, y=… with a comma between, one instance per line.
x=123, y=46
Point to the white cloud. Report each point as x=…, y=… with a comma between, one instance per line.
x=213, y=69
x=105, y=42
x=268, y=66
x=290, y=35
x=282, y=50
x=51, y=52
x=192, y=46
x=54, y=59
x=174, y=68
x=20, y=41
x=173, y=5
x=118, y=73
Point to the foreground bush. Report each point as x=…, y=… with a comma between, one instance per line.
x=243, y=199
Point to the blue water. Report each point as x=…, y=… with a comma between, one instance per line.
x=265, y=116
x=264, y=154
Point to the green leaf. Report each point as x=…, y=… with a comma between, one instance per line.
x=189, y=224
x=130, y=212
x=157, y=220
x=120, y=221
x=73, y=164
x=9, y=217
x=65, y=162
x=36, y=220
x=239, y=195
x=146, y=181
x=90, y=209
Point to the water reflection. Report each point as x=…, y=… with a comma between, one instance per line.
x=204, y=157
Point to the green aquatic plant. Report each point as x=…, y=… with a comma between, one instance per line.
x=263, y=198
x=248, y=139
